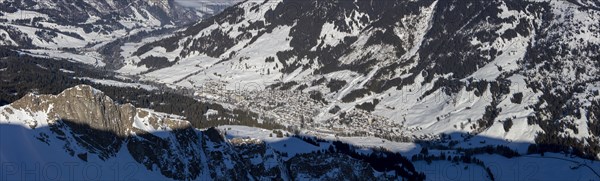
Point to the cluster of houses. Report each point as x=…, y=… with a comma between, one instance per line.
x=297, y=110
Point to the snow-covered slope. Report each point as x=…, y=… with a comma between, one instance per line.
x=521, y=71
x=82, y=128
x=61, y=24
x=61, y=29
x=83, y=134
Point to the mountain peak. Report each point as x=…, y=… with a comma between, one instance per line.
x=81, y=104
x=83, y=90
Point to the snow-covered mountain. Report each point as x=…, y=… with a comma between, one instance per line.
x=88, y=30
x=81, y=133
x=79, y=23
x=323, y=90
x=520, y=71
x=81, y=126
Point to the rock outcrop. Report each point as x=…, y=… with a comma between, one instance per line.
x=82, y=105
x=85, y=118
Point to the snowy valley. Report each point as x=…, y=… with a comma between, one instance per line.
x=301, y=89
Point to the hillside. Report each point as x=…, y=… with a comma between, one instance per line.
x=523, y=71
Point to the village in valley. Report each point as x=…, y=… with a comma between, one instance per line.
x=297, y=111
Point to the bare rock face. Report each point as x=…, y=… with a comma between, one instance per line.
x=88, y=123
x=82, y=117
x=261, y=160
x=331, y=166
x=83, y=105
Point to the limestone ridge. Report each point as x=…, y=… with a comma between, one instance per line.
x=86, y=122
x=81, y=104
x=89, y=122
x=85, y=105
